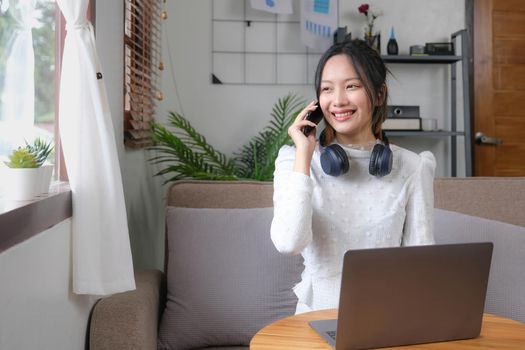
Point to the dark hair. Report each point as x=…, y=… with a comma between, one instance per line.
x=371, y=70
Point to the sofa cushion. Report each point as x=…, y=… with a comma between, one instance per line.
x=506, y=288
x=225, y=278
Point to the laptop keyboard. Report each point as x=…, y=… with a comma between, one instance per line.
x=331, y=334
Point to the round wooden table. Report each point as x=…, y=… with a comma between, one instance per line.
x=294, y=333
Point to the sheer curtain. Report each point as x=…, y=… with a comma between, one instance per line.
x=102, y=261
x=17, y=114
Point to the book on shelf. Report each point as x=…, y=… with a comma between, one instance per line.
x=402, y=123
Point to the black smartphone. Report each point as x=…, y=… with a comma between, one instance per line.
x=316, y=116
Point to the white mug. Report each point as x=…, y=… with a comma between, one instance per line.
x=429, y=124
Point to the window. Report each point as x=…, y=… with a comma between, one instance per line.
x=27, y=72
x=44, y=38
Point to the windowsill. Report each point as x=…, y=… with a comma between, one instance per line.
x=21, y=220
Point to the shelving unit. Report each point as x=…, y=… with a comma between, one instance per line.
x=455, y=136
x=420, y=59
x=439, y=133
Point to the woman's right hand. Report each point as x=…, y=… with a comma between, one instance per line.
x=304, y=145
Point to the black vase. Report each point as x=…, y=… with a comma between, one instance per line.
x=391, y=46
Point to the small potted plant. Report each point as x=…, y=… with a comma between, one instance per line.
x=27, y=174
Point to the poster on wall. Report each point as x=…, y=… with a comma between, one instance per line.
x=318, y=23
x=273, y=6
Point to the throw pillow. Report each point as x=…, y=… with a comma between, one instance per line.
x=225, y=278
x=506, y=286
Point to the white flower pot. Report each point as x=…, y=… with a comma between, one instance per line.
x=46, y=172
x=24, y=184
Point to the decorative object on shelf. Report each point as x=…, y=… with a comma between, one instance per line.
x=439, y=48
x=186, y=154
x=417, y=50
x=429, y=124
x=27, y=175
x=402, y=124
x=391, y=47
x=405, y=124
x=402, y=111
x=402, y=118
x=373, y=39
x=341, y=34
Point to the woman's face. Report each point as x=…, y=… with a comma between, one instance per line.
x=344, y=102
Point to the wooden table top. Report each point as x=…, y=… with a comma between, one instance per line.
x=294, y=333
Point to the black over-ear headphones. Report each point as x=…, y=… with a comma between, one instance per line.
x=334, y=160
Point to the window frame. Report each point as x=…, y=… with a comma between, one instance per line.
x=20, y=221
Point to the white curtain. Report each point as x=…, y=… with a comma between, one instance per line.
x=17, y=113
x=102, y=261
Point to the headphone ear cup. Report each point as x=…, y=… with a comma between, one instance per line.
x=385, y=163
x=380, y=161
x=334, y=160
x=374, y=158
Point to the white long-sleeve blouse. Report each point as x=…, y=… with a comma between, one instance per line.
x=321, y=216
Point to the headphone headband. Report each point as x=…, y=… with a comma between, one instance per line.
x=384, y=138
x=334, y=160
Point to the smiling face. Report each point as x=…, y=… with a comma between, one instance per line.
x=344, y=101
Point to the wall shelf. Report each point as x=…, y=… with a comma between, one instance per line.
x=420, y=59
x=440, y=133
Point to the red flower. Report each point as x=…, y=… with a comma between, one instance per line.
x=364, y=8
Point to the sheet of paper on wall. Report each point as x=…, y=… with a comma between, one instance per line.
x=318, y=23
x=273, y=6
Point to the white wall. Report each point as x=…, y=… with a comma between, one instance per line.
x=38, y=311
x=228, y=115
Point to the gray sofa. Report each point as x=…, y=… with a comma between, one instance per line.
x=467, y=209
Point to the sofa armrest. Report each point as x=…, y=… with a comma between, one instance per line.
x=129, y=320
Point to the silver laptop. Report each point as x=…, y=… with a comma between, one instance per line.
x=409, y=295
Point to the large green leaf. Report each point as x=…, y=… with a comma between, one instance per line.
x=256, y=159
x=188, y=159
x=185, y=153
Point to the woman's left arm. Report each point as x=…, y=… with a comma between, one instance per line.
x=419, y=221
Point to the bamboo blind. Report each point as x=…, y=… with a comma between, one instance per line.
x=142, y=62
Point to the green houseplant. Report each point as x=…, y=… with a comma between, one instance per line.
x=185, y=153
x=31, y=155
x=27, y=175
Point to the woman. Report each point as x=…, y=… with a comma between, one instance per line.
x=385, y=198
